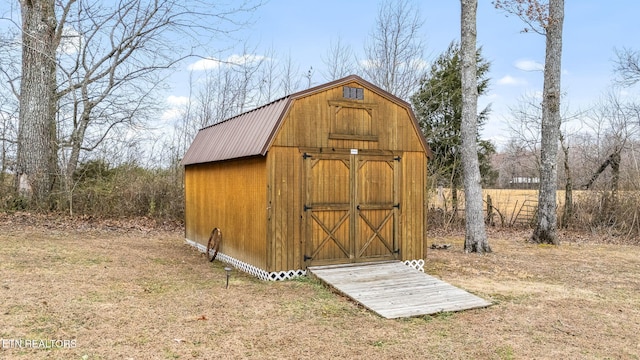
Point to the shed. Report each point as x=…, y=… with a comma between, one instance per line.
x=333, y=174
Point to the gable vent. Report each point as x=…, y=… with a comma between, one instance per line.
x=353, y=93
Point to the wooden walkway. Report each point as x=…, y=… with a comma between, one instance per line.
x=394, y=290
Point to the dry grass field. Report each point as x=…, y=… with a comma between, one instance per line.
x=517, y=206
x=134, y=290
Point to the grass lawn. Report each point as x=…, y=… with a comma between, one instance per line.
x=135, y=290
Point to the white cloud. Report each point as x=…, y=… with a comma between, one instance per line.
x=510, y=80
x=204, y=64
x=213, y=63
x=244, y=59
x=171, y=114
x=177, y=100
x=529, y=65
x=175, y=107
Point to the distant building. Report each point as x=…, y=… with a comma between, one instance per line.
x=521, y=182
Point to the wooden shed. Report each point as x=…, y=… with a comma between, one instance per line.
x=329, y=175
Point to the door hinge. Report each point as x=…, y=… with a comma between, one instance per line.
x=397, y=158
x=307, y=258
x=397, y=206
x=307, y=208
x=305, y=156
x=396, y=251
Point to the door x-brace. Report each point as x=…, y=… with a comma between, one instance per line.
x=330, y=235
x=376, y=233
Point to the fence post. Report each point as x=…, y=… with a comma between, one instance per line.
x=489, y=219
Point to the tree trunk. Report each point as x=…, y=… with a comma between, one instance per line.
x=76, y=140
x=608, y=161
x=454, y=200
x=615, y=173
x=37, y=151
x=567, y=215
x=547, y=221
x=475, y=234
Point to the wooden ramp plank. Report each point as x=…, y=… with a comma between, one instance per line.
x=394, y=290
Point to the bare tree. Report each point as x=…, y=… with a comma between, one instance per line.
x=8, y=134
x=110, y=61
x=547, y=219
x=247, y=71
x=9, y=104
x=567, y=213
x=8, y=128
x=37, y=150
x=524, y=128
x=222, y=88
x=227, y=89
x=269, y=74
x=627, y=66
x=338, y=61
x=519, y=165
x=475, y=234
x=394, y=50
x=525, y=145
x=615, y=124
x=547, y=19
x=290, y=76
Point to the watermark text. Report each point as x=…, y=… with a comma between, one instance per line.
x=37, y=343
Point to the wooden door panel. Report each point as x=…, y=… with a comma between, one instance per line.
x=328, y=181
x=351, y=208
x=328, y=209
x=376, y=200
x=375, y=181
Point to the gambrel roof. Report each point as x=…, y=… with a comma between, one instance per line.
x=251, y=133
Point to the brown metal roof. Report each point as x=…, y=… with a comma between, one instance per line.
x=251, y=133
x=240, y=136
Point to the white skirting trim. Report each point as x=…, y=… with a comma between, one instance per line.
x=277, y=275
x=250, y=269
x=416, y=264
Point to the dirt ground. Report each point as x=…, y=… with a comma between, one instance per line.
x=89, y=289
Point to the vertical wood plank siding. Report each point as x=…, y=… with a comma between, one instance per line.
x=414, y=206
x=230, y=195
x=308, y=123
x=378, y=126
x=285, y=208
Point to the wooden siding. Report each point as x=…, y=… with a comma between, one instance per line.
x=230, y=195
x=259, y=201
x=312, y=118
x=285, y=209
x=316, y=124
x=413, y=222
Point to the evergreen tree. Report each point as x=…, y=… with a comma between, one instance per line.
x=438, y=106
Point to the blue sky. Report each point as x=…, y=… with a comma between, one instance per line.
x=304, y=29
x=592, y=30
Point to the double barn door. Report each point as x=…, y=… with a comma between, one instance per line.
x=351, y=208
